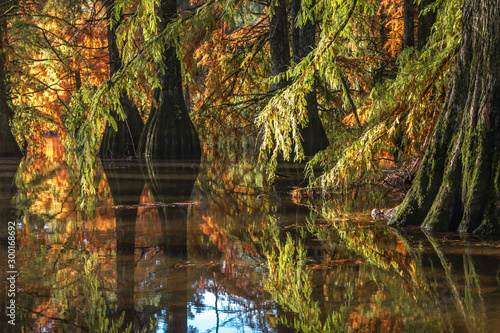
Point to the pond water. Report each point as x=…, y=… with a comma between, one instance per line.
x=182, y=246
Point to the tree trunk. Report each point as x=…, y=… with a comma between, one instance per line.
x=169, y=131
x=279, y=44
x=303, y=41
x=409, y=27
x=123, y=141
x=458, y=184
x=425, y=23
x=8, y=144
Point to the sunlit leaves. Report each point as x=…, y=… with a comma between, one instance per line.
x=286, y=112
x=406, y=103
x=55, y=46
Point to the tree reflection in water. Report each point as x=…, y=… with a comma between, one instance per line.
x=378, y=280
x=220, y=248
x=8, y=168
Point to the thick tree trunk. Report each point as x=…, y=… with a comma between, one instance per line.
x=303, y=41
x=425, y=23
x=409, y=27
x=169, y=131
x=278, y=43
x=123, y=141
x=458, y=184
x=8, y=144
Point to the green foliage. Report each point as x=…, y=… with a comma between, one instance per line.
x=286, y=112
x=140, y=44
x=405, y=105
x=410, y=103
x=370, y=102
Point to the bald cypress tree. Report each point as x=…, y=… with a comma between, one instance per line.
x=303, y=42
x=409, y=26
x=169, y=131
x=125, y=139
x=8, y=144
x=458, y=184
x=303, y=39
x=425, y=22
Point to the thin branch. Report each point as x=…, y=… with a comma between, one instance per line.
x=354, y=110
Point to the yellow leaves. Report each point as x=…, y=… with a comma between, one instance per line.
x=67, y=51
x=391, y=13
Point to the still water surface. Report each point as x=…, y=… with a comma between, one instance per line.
x=182, y=246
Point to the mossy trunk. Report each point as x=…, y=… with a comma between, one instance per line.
x=457, y=187
x=169, y=132
x=123, y=141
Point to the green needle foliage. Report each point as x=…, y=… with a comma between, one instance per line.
x=376, y=101
x=403, y=104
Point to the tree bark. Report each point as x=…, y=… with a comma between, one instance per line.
x=409, y=27
x=458, y=184
x=303, y=42
x=125, y=140
x=425, y=23
x=169, y=132
x=279, y=44
x=8, y=144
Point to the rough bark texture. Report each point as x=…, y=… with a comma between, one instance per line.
x=278, y=43
x=458, y=184
x=8, y=145
x=123, y=141
x=425, y=23
x=303, y=41
x=169, y=132
x=409, y=27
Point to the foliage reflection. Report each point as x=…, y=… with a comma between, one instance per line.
x=366, y=277
x=213, y=245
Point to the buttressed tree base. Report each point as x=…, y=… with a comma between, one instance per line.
x=457, y=187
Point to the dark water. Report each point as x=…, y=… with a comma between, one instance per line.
x=212, y=247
